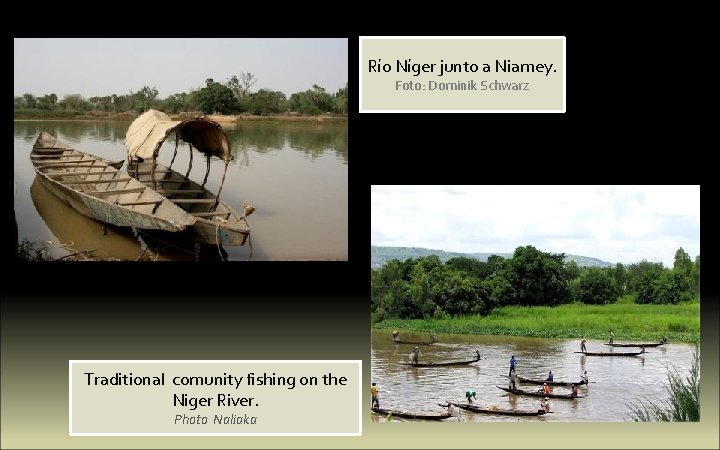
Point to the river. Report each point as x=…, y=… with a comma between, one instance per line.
x=616, y=383
x=294, y=173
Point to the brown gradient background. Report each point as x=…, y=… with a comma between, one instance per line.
x=41, y=333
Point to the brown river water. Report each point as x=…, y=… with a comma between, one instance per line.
x=616, y=383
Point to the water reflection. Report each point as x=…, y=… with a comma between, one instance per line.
x=78, y=233
x=310, y=138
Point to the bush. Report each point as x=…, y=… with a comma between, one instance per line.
x=32, y=251
x=440, y=314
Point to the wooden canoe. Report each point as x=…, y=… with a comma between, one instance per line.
x=401, y=341
x=52, y=149
x=216, y=221
x=656, y=344
x=99, y=191
x=550, y=383
x=539, y=394
x=501, y=412
x=409, y=415
x=442, y=364
x=613, y=353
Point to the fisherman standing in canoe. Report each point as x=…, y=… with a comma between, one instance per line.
x=582, y=345
x=374, y=394
x=584, y=377
x=513, y=362
x=414, y=355
x=545, y=405
x=513, y=380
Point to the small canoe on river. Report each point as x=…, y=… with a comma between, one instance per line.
x=442, y=364
x=657, y=344
x=550, y=383
x=410, y=415
x=396, y=339
x=500, y=412
x=614, y=353
x=539, y=394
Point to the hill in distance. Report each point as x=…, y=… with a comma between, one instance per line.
x=380, y=255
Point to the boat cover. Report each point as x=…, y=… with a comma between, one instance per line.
x=148, y=132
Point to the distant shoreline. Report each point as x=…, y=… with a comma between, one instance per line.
x=222, y=119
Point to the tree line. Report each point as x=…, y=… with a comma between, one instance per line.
x=232, y=97
x=425, y=287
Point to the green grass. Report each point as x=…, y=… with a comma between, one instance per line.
x=629, y=322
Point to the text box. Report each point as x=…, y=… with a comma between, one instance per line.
x=462, y=74
x=205, y=398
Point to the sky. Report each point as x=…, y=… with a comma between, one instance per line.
x=623, y=224
x=100, y=67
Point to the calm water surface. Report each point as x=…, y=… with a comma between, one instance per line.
x=616, y=383
x=295, y=174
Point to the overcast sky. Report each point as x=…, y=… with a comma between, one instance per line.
x=99, y=67
x=613, y=223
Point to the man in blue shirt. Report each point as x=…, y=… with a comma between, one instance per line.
x=470, y=395
x=513, y=361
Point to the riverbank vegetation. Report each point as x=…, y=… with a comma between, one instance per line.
x=630, y=322
x=684, y=399
x=539, y=294
x=232, y=97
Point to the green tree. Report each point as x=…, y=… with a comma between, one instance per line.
x=638, y=273
x=425, y=287
x=668, y=287
x=143, y=99
x=388, y=288
x=572, y=270
x=215, y=97
x=499, y=288
x=341, y=99
x=495, y=262
x=683, y=263
x=313, y=101
x=597, y=287
x=241, y=90
x=695, y=275
x=30, y=100
x=470, y=266
x=265, y=102
x=538, y=278
x=620, y=275
x=420, y=292
x=75, y=102
x=177, y=103
x=47, y=102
